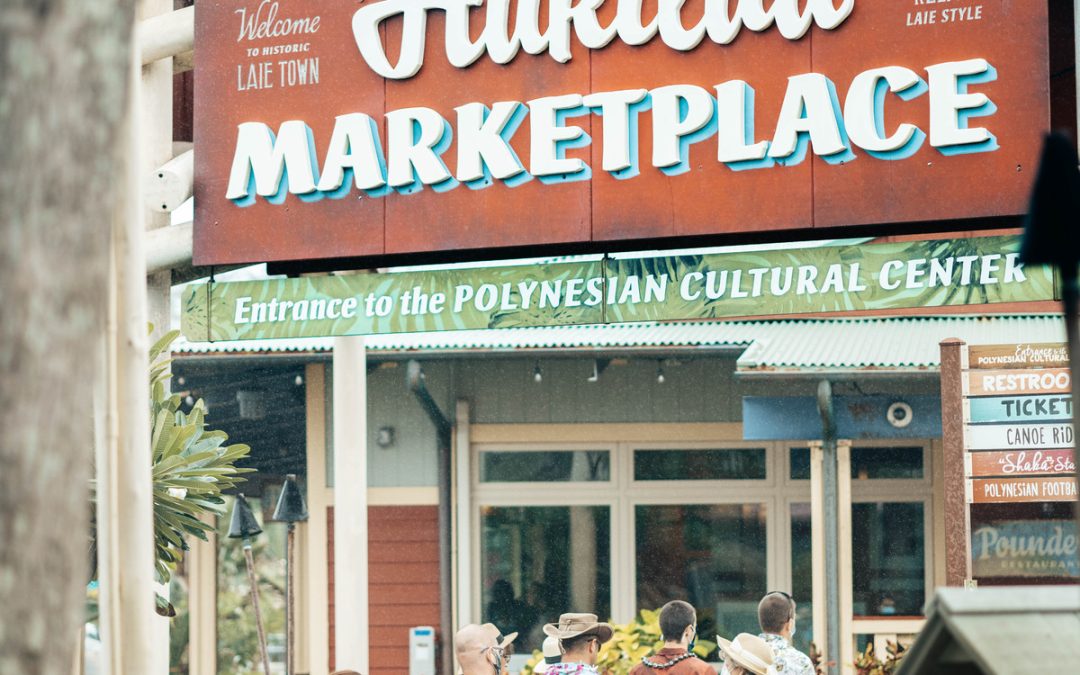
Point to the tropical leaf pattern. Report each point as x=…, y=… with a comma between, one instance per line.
x=746, y=283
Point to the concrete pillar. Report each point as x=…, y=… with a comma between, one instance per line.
x=351, y=623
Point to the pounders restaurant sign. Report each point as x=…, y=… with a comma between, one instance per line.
x=332, y=129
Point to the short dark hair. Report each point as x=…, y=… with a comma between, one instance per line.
x=774, y=611
x=576, y=642
x=675, y=617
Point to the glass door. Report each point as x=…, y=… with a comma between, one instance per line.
x=545, y=536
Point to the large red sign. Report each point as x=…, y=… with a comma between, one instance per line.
x=330, y=129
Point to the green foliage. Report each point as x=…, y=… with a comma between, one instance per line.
x=629, y=644
x=191, y=466
x=868, y=664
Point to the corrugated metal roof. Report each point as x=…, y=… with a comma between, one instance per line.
x=903, y=342
x=894, y=343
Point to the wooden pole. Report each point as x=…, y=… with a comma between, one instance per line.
x=290, y=600
x=249, y=560
x=351, y=623
x=957, y=513
x=125, y=506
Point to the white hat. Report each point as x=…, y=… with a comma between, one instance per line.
x=552, y=655
x=750, y=652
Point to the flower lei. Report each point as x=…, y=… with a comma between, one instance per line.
x=672, y=662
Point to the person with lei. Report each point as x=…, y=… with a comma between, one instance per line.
x=678, y=625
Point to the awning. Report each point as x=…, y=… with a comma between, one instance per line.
x=999, y=631
x=777, y=347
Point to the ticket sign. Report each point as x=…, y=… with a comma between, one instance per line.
x=1053, y=408
x=1017, y=382
x=1025, y=548
x=332, y=129
x=1023, y=355
x=1017, y=490
x=1005, y=436
x=1020, y=463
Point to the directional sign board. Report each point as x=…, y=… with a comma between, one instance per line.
x=1006, y=436
x=1025, y=548
x=1011, y=490
x=1020, y=463
x=1018, y=436
x=989, y=410
x=1017, y=382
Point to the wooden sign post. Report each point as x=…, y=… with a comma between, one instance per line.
x=1007, y=428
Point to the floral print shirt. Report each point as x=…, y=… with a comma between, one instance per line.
x=786, y=659
x=572, y=669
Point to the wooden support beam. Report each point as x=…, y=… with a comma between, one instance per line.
x=172, y=183
x=168, y=247
x=165, y=35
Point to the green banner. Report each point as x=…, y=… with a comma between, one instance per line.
x=936, y=273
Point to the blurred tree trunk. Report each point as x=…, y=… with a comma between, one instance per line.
x=64, y=74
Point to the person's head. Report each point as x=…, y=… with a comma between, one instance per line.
x=580, y=637
x=746, y=655
x=776, y=614
x=581, y=649
x=477, y=649
x=678, y=622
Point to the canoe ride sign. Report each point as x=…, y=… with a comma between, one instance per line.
x=617, y=290
x=328, y=129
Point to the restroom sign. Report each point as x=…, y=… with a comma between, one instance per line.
x=363, y=130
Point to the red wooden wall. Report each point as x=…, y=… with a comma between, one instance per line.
x=403, y=581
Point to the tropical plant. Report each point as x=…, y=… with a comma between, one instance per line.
x=191, y=468
x=869, y=664
x=629, y=644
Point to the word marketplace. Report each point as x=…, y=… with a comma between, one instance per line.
x=270, y=163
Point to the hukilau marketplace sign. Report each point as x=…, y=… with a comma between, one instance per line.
x=747, y=283
x=330, y=129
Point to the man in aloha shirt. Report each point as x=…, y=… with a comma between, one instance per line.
x=580, y=637
x=776, y=614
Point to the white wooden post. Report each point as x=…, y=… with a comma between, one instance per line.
x=125, y=508
x=463, y=531
x=315, y=588
x=351, y=625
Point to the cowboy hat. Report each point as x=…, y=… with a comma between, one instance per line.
x=552, y=655
x=503, y=640
x=748, y=651
x=572, y=625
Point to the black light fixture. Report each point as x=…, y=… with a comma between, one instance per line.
x=243, y=524
x=538, y=376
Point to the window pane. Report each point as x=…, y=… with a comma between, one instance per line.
x=712, y=555
x=800, y=463
x=537, y=562
x=888, y=561
x=720, y=464
x=867, y=463
x=802, y=576
x=870, y=463
x=545, y=466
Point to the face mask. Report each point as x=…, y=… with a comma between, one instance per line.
x=792, y=630
x=693, y=641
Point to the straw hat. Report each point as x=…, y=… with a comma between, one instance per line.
x=552, y=655
x=506, y=639
x=748, y=651
x=572, y=625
